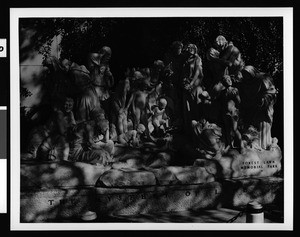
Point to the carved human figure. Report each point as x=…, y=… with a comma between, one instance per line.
x=83, y=91
x=91, y=142
x=172, y=80
x=122, y=100
x=192, y=78
x=174, y=62
x=132, y=137
x=139, y=103
x=231, y=100
x=56, y=145
x=159, y=117
x=208, y=139
x=233, y=55
x=36, y=136
x=57, y=83
x=101, y=136
x=258, y=95
x=103, y=80
x=192, y=72
x=153, y=95
x=220, y=56
x=156, y=72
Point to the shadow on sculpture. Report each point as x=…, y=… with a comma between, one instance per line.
x=120, y=152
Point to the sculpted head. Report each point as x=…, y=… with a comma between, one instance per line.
x=105, y=54
x=66, y=63
x=141, y=129
x=192, y=49
x=177, y=47
x=220, y=42
x=162, y=103
x=68, y=104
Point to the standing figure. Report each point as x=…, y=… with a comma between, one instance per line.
x=83, y=91
x=153, y=95
x=156, y=72
x=231, y=100
x=101, y=76
x=192, y=72
x=174, y=64
x=57, y=83
x=139, y=103
x=121, y=103
x=54, y=88
x=192, y=78
x=172, y=80
x=258, y=95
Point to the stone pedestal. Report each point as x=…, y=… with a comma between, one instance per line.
x=172, y=198
x=55, y=191
x=54, y=204
x=251, y=163
x=239, y=192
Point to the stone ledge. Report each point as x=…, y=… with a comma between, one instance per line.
x=234, y=165
x=63, y=190
x=265, y=190
x=48, y=175
x=53, y=204
x=157, y=199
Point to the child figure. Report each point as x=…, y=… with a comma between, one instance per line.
x=101, y=136
x=68, y=115
x=133, y=137
x=160, y=119
x=231, y=101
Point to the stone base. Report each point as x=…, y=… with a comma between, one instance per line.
x=54, y=204
x=157, y=199
x=239, y=192
x=61, y=203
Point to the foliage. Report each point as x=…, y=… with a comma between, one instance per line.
x=24, y=92
x=76, y=33
x=260, y=39
x=143, y=40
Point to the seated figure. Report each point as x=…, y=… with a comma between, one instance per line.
x=132, y=137
x=101, y=136
x=91, y=142
x=251, y=139
x=208, y=139
x=159, y=116
x=56, y=145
